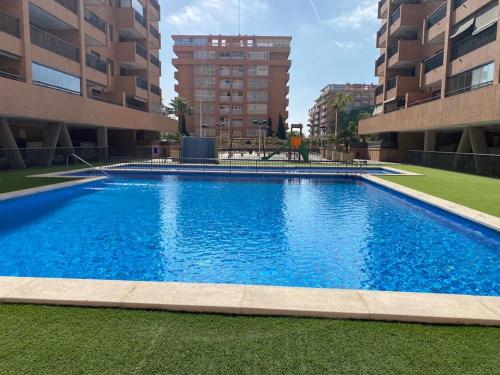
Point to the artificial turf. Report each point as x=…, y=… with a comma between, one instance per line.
x=480, y=193
x=18, y=180
x=65, y=340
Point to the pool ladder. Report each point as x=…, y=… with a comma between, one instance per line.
x=85, y=162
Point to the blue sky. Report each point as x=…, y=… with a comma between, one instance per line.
x=333, y=40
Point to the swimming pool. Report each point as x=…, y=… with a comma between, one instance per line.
x=335, y=232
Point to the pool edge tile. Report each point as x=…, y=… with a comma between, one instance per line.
x=9, y=285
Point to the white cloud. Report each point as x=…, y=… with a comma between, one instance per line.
x=213, y=13
x=366, y=12
x=346, y=44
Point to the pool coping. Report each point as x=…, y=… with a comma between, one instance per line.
x=255, y=300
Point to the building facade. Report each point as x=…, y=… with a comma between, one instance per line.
x=439, y=75
x=80, y=73
x=233, y=81
x=322, y=115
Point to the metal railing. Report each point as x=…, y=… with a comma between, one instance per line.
x=154, y=32
x=141, y=51
x=478, y=164
x=382, y=30
x=95, y=20
x=155, y=89
x=140, y=18
x=458, y=3
x=155, y=61
x=71, y=5
x=434, y=62
x=473, y=42
x=437, y=15
x=94, y=169
x=380, y=61
x=9, y=24
x=394, y=49
x=104, y=99
x=57, y=88
x=392, y=83
x=468, y=88
x=141, y=83
x=52, y=43
x=96, y=63
x=12, y=76
x=379, y=90
x=428, y=100
x=155, y=4
x=395, y=16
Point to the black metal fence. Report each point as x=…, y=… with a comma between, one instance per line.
x=9, y=24
x=52, y=43
x=478, y=164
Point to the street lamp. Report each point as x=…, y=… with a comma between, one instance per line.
x=262, y=125
x=201, y=118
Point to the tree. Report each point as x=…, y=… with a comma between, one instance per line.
x=339, y=105
x=350, y=134
x=281, y=132
x=180, y=107
x=269, y=127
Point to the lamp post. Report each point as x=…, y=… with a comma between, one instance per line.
x=262, y=125
x=201, y=118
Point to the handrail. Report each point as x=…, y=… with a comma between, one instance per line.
x=84, y=162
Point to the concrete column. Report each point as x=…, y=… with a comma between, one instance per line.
x=65, y=141
x=478, y=140
x=50, y=140
x=102, y=141
x=430, y=139
x=464, y=146
x=7, y=140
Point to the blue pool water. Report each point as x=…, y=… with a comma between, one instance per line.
x=323, y=232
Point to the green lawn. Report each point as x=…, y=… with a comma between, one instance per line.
x=64, y=340
x=17, y=180
x=480, y=193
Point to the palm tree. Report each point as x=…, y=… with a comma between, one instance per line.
x=339, y=105
x=180, y=107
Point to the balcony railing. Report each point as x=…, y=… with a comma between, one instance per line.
x=155, y=90
x=468, y=88
x=140, y=18
x=9, y=24
x=395, y=16
x=394, y=49
x=473, y=42
x=382, y=30
x=155, y=61
x=141, y=51
x=12, y=76
x=141, y=83
x=434, y=62
x=52, y=43
x=379, y=90
x=154, y=32
x=391, y=84
x=71, y=5
x=437, y=15
x=155, y=4
x=96, y=63
x=380, y=61
x=458, y=3
x=95, y=20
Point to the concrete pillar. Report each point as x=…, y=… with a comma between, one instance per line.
x=65, y=141
x=430, y=139
x=478, y=140
x=7, y=140
x=102, y=143
x=50, y=140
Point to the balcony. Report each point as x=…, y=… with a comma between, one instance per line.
x=156, y=40
x=155, y=10
x=400, y=85
x=71, y=5
x=133, y=86
x=379, y=94
x=10, y=25
x=436, y=25
x=132, y=55
x=130, y=24
x=96, y=63
x=473, y=42
x=433, y=68
x=95, y=20
x=383, y=7
x=382, y=36
x=404, y=54
x=155, y=90
x=379, y=66
x=405, y=21
x=52, y=43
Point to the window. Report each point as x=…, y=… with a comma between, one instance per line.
x=471, y=80
x=224, y=55
x=258, y=55
x=258, y=83
x=204, y=69
x=204, y=55
x=204, y=82
x=237, y=84
x=237, y=55
x=258, y=70
x=225, y=83
x=191, y=42
x=257, y=109
x=202, y=94
x=257, y=96
x=51, y=78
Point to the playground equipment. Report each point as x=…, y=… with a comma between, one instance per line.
x=295, y=146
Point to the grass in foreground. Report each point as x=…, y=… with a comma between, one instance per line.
x=479, y=193
x=64, y=340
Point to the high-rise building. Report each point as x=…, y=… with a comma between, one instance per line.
x=232, y=80
x=80, y=72
x=439, y=75
x=322, y=115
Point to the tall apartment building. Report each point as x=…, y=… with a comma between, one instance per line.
x=80, y=72
x=439, y=75
x=233, y=80
x=322, y=116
